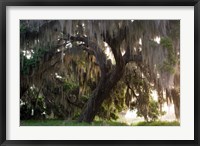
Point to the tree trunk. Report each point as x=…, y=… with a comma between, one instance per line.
x=108, y=79
x=24, y=85
x=102, y=92
x=176, y=101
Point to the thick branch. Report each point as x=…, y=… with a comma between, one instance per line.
x=135, y=58
x=94, y=49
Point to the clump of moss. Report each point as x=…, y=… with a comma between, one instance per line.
x=167, y=67
x=166, y=43
x=69, y=86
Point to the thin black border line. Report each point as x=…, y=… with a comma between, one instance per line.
x=3, y=5
x=100, y=2
x=196, y=71
x=3, y=75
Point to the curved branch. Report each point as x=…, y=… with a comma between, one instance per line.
x=94, y=49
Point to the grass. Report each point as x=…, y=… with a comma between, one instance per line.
x=95, y=123
x=68, y=123
x=157, y=123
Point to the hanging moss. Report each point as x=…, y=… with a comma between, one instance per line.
x=169, y=64
x=81, y=73
x=153, y=44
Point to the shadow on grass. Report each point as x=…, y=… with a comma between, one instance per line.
x=68, y=123
x=95, y=123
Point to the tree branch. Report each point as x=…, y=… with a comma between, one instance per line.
x=135, y=58
x=94, y=49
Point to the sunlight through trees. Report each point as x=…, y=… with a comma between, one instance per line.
x=86, y=70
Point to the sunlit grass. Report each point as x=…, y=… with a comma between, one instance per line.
x=157, y=123
x=95, y=123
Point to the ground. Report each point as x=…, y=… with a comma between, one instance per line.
x=95, y=123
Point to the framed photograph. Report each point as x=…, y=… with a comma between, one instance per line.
x=99, y=72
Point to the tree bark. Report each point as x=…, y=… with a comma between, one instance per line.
x=107, y=82
x=102, y=92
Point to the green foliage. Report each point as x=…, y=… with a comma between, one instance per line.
x=112, y=106
x=84, y=98
x=28, y=64
x=150, y=112
x=64, y=99
x=25, y=110
x=85, y=70
x=175, y=29
x=69, y=86
x=168, y=65
x=33, y=102
x=23, y=28
x=153, y=110
x=166, y=42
